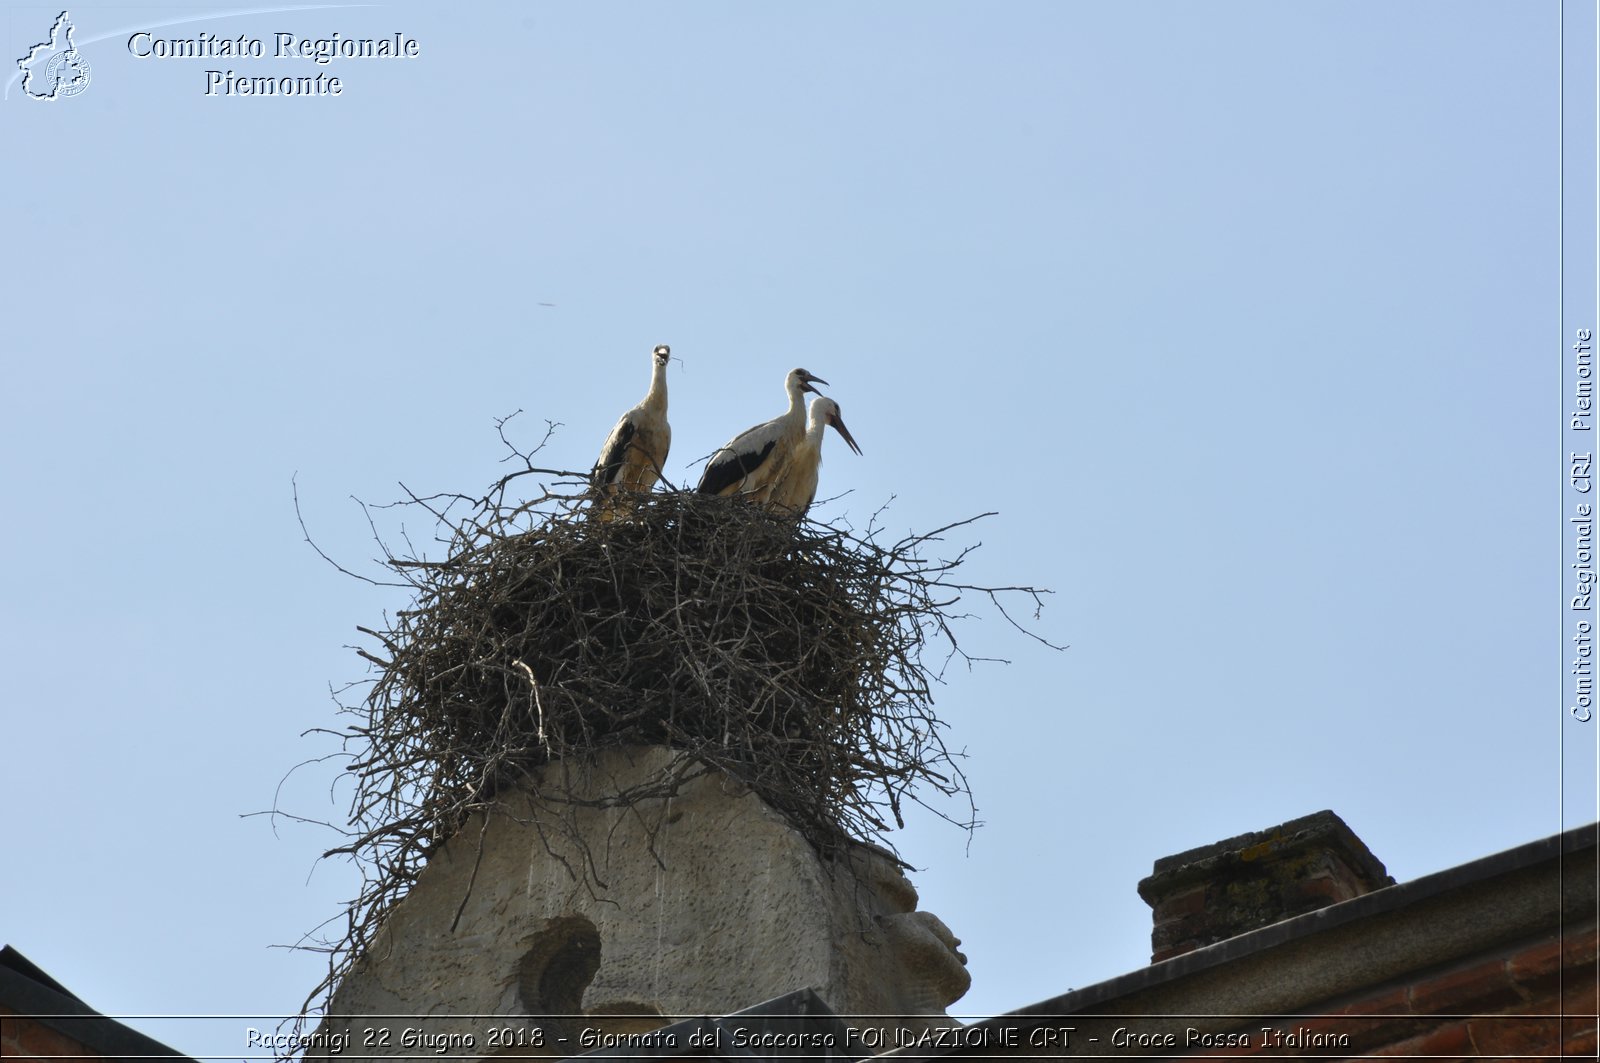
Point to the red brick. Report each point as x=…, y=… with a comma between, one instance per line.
x=1181, y=928
x=1540, y=967
x=1450, y=1039
x=1482, y=987
x=1580, y=995
x=1578, y=1038
x=1396, y=1001
x=1580, y=947
x=1190, y=902
x=1536, y=962
x=1515, y=1035
x=1321, y=887
x=38, y=1039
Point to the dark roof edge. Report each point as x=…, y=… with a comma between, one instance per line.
x=16, y=961
x=71, y=1017
x=1390, y=898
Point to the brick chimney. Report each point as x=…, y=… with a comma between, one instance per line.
x=1231, y=887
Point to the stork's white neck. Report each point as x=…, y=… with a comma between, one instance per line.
x=815, y=427
x=797, y=402
x=656, y=397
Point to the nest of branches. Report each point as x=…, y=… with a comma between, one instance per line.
x=794, y=657
x=784, y=656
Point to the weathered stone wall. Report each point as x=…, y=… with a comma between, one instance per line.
x=702, y=904
x=1228, y=888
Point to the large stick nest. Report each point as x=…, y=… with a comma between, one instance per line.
x=790, y=656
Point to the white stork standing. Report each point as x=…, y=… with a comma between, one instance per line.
x=637, y=447
x=747, y=464
x=796, y=485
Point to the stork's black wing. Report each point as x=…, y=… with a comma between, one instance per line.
x=728, y=466
x=611, y=455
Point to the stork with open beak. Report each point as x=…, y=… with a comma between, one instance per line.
x=636, y=449
x=748, y=464
x=796, y=486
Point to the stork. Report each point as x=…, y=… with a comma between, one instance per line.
x=747, y=464
x=796, y=484
x=637, y=447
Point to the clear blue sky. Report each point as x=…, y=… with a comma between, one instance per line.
x=1242, y=315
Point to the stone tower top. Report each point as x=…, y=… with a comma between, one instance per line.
x=588, y=919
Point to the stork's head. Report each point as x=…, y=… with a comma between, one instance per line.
x=800, y=381
x=825, y=411
x=661, y=353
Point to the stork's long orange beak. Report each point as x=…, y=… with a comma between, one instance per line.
x=838, y=424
